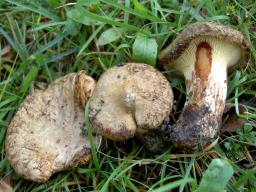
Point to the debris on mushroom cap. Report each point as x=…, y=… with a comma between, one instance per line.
x=130, y=99
x=48, y=133
x=202, y=53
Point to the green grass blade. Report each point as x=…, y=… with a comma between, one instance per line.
x=90, y=39
x=173, y=185
x=106, y=20
x=48, y=25
x=132, y=11
x=9, y=39
x=56, y=40
x=245, y=177
x=28, y=79
x=90, y=136
x=39, y=10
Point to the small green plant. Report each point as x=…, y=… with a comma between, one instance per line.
x=144, y=49
x=216, y=176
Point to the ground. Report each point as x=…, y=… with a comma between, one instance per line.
x=45, y=39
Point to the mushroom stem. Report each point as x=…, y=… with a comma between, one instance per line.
x=206, y=84
x=202, y=53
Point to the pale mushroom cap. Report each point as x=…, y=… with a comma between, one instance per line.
x=203, y=30
x=224, y=54
x=48, y=132
x=130, y=99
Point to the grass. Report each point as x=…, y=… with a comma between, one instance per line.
x=43, y=40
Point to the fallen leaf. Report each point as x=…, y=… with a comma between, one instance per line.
x=5, y=183
x=231, y=121
x=5, y=50
x=6, y=54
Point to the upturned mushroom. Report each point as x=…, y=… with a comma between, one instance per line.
x=48, y=132
x=131, y=99
x=202, y=53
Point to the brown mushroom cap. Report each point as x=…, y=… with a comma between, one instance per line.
x=130, y=99
x=48, y=132
x=195, y=30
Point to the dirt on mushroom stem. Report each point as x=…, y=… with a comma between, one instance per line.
x=201, y=117
x=204, y=65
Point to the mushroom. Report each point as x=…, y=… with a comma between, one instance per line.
x=202, y=53
x=131, y=99
x=48, y=132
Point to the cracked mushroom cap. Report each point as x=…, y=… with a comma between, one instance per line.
x=48, y=132
x=130, y=99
